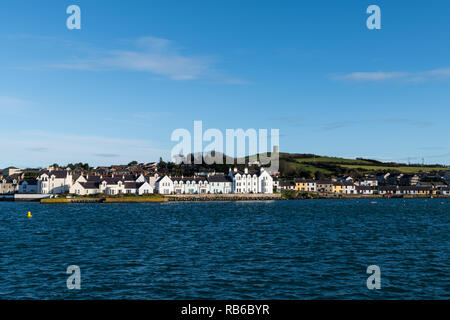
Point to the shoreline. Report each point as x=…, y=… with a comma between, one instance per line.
x=212, y=198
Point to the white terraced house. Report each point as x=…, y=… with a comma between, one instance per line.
x=349, y=188
x=190, y=185
x=220, y=184
x=251, y=182
x=28, y=186
x=111, y=185
x=54, y=182
x=164, y=185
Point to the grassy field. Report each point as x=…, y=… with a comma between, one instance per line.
x=404, y=169
x=301, y=165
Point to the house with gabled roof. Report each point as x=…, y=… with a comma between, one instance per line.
x=28, y=186
x=54, y=181
x=259, y=181
x=220, y=184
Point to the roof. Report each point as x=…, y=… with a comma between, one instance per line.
x=304, y=181
x=134, y=185
x=89, y=185
x=185, y=179
x=249, y=172
x=93, y=178
x=324, y=182
x=219, y=178
x=31, y=182
x=387, y=188
x=363, y=188
x=111, y=180
x=286, y=184
x=59, y=174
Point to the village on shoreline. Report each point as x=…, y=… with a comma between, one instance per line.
x=153, y=182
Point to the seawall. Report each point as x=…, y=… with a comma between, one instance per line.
x=224, y=197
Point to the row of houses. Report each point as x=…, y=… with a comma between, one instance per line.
x=364, y=188
x=236, y=181
x=64, y=182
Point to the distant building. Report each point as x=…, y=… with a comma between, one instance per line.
x=54, y=182
x=10, y=184
x=220, y=184
x=28, y=186
x=364, y=190
x=164, y=185
x=324, y=186
x=283, y=185
x=306, y=185
x=251, y=181
x=10, y=171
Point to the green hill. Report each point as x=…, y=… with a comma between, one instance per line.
x=309, y=166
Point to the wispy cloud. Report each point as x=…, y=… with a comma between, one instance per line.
x=34, y=147
x=339, y=124
x=400, y=121
x=378, y=76
x=106, y=155
x=11, y=103
x=153, y=115
x=156, y=56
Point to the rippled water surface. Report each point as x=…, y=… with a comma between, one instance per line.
x=222, y=250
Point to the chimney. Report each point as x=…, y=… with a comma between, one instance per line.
x=246, y=170
x=235, y=169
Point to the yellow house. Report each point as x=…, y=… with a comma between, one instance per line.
x=306, y=185
x=423, y=190
x=337, y=187
x=300, y=184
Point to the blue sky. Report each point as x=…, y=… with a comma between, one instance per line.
x=115, y=90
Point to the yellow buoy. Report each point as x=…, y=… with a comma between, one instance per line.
x=29, y=215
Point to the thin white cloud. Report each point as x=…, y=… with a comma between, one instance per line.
x=153, y=55
x=11, y=103
x=39, y=148
x=430, y=75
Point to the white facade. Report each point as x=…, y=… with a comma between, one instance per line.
x=28, y=187
x=369, y=183
x=111, y=187
x=219, y=184
x=164, y=185
x=190, y=185
x=349, y=188
x=251, y=182
x=54, y=182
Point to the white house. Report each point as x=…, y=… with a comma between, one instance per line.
x=54, y=182
x=251, y=182
x=445, y=191
x=164, y=185
x=110, y=186
x=139, y=188
x=364, y=190
x=220, y=184
x=190, y=185
x=85, y=188
x=349, y=188
x=28, y=186
x=369, y=182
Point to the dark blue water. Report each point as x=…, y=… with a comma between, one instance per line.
x=252, y=250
